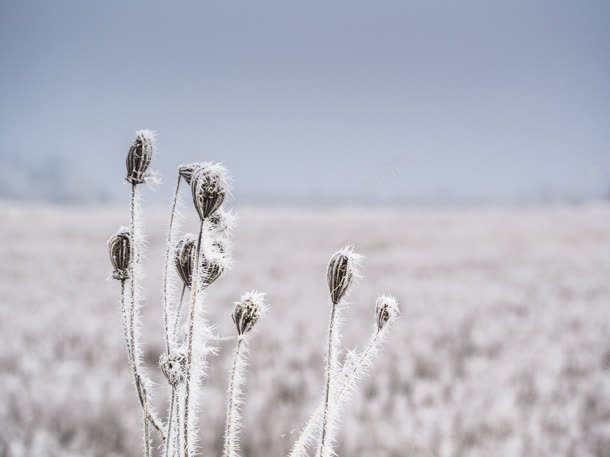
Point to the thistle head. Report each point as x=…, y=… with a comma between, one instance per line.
x=173, y=366
x=248, y=310
x=386, y=310
x=212, y=266
x=185, y=259
x=120, y=253
x=209, y=186
x=342, y=271
x=139, y=156
x=187, y=171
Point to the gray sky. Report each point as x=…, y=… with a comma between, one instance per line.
x=346, y=101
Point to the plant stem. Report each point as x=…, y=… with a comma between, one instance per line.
x=189, y=355
x=168, y=248
x=142, y=393
x=177, y=321
x=233, y=392
x=125, y=320
x=146, y=429
x=170, y=422
x=330, y=368
x=350, y=378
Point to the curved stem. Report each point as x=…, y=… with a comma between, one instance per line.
x=168, y=248
x=142, y=393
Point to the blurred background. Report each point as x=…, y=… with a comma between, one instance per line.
x=463, y=147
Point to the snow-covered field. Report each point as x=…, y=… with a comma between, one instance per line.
x=503, y=348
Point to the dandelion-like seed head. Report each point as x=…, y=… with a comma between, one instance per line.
x=248, y=310
x=386, y=310
x=342, y=271
x=173, y=366
x=209, y=186
x=120, y=253
x=139, y=157
x=187, y=171
x=185, y=259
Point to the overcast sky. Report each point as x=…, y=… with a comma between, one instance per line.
x=320, y=101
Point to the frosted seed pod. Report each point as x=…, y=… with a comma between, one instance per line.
x=120, y=253
x=247, y=311
x=139, y=157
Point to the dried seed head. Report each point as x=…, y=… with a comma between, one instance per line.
x=185, y=259
x=120, y=253
x=386, y=310
x=187, y=171
x=139, y=157
x=213, y=265
x=173, y=366
x=342, y=271
x=248, y=310
x=209, y=185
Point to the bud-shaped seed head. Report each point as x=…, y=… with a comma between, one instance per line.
x=209, y=185
x=173, y=366
x=386, y=310
x=139, y=157
x=185, y=259
x=248, y=310
x=342, y=270
x=120, y=253
x=187, y=171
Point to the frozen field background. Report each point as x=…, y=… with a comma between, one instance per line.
x=503, y=348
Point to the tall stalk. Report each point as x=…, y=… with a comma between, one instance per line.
x=140, y=387
x=329, y=386
x=166, y=266
x=189, y=355
x=233, y=400
x=245, y=314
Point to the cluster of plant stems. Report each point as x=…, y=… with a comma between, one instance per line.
x=192, y=264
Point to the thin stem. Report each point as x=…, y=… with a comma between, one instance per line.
x=178, y=428
x=142, y=393
x=350, y=378
x=168, y=248
x=189, y=355
x=170, y=422
x=330, y=365
x=146, y=429
x=125, y=320
x=230, y=433
x=177, y=320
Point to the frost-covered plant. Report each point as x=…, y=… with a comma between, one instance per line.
x=246, y=313
x=194, y=263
